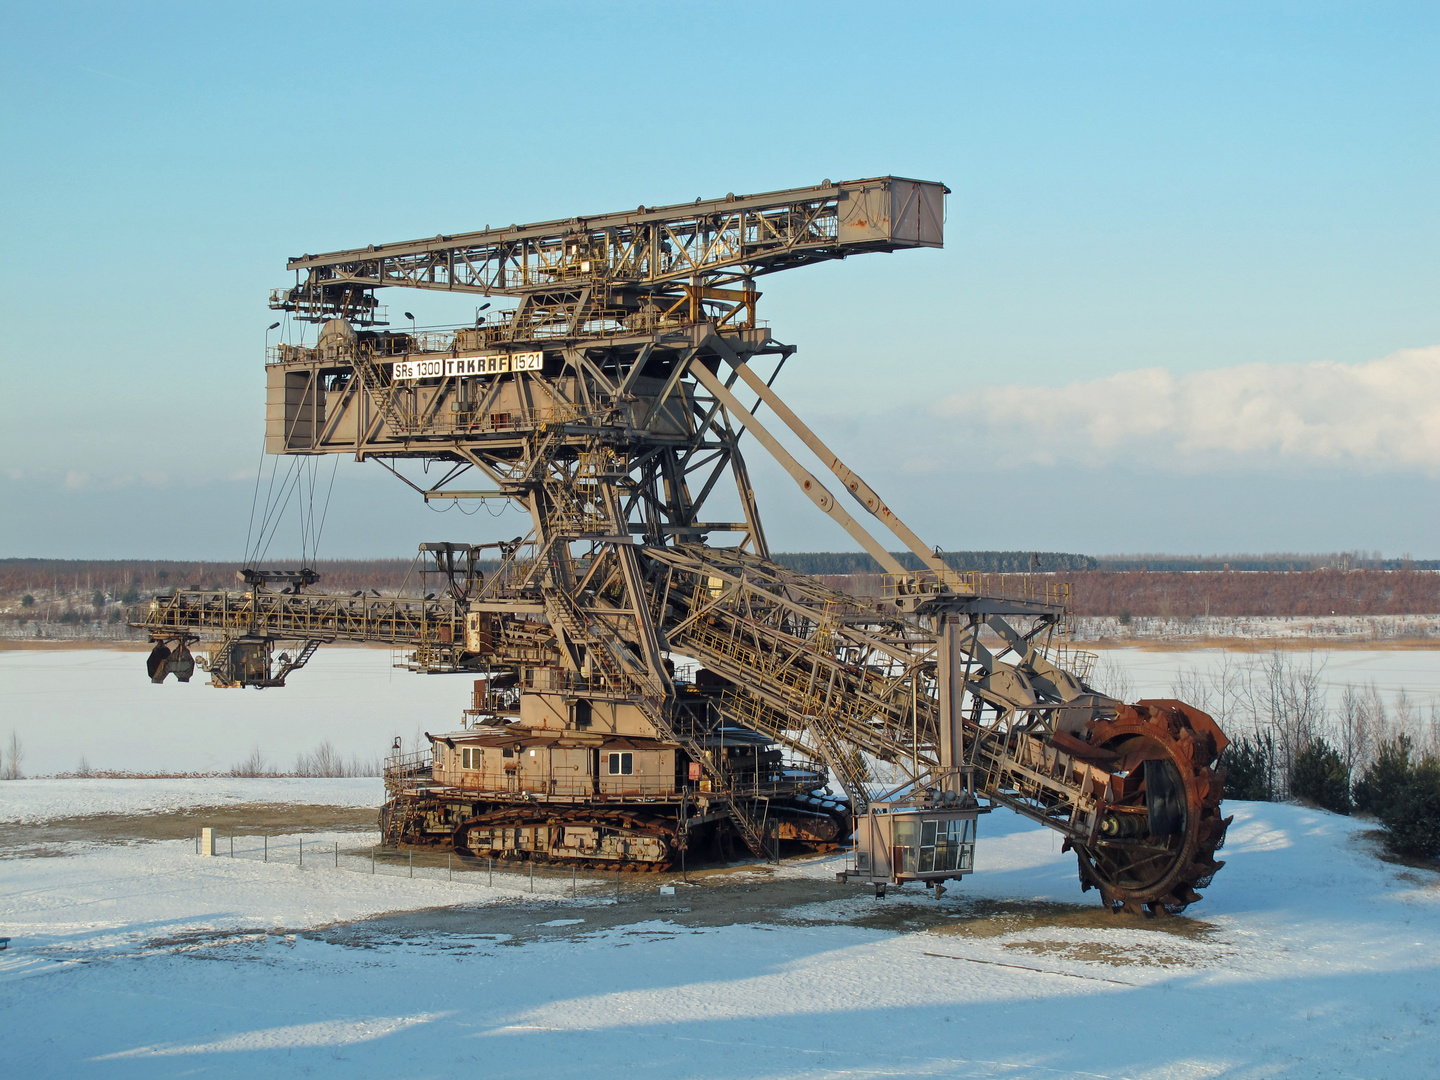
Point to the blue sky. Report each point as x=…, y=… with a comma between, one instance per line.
x=1187, y=302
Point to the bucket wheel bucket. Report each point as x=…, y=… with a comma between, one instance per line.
x=1157, y=841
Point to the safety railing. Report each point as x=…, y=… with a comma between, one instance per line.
x=317, y=617
x=1039, y=588
x=584, y=786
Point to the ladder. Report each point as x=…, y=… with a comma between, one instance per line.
x=751, y=831
x=300, y=660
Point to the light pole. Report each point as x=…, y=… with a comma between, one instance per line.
x=272, y=326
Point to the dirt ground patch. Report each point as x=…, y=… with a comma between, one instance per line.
x=991, y=918
x=753, y=894
x=1103, y=952
x=39, y=839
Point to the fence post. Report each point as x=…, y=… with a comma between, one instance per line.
x=492, y=869
x=372, y=859
x=337, y=854
x=232, y=847
x=617, y=883
x=532, y=875
x=412, y=862
x=573, y=886
x=449, y=868
x=302, y=851
x=266, y=856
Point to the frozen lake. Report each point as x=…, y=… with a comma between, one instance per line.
x=98, y=704
x=1416, y=671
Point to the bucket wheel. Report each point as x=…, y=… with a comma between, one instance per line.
x=1157, y=841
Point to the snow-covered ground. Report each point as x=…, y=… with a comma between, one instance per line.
x=149, y=961
x=44, y=799
x=1318, y=631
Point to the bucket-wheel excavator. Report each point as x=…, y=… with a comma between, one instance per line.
x=609, y=398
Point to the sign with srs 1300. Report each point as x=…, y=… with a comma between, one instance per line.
x=442, y=366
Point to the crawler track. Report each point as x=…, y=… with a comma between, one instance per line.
x=621, y=824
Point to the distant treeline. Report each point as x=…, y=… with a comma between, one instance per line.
x=1306, y=592
x=989, y=562
x=1023, y=562
x=125, y=579
x=62, y=588
x=1253, y=563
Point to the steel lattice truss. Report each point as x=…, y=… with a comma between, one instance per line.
x=652, y=257
x=611, y=405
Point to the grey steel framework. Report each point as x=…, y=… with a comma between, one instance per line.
x=611, y=402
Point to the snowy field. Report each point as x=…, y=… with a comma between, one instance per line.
x=1308, y=957
x=36, y=801
x=1318, y=631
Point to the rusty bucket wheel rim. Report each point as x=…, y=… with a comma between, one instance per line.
x=1186, y=740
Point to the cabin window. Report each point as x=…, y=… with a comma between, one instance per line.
x=582, y=714
x=933, y=846
x=622, y=764
x=465, y=758
x=507, y=752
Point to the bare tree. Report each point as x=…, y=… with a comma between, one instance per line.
x=14, y=758
x=1405, y=715
x=1217, y=690
x=1193, y=686
x=1109, y=677
x=253, y=765
x=1287, y=699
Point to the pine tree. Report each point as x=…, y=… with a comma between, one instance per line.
x=1319, y=776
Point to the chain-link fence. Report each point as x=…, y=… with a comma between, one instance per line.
x=509, y=876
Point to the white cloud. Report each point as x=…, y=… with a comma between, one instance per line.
x=1379, y=415
x=76, y=481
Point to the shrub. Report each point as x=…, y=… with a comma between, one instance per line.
x=1319, y=776
x=1412, y=816
x=254, y=765
x=1380, y=783
x=1247, y=770
x=27, y=600
x=97, y=599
